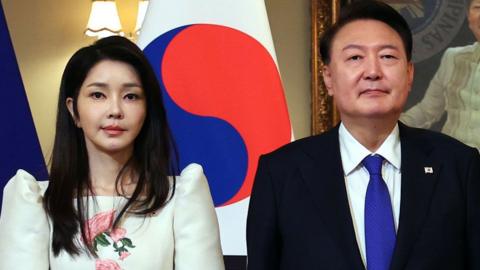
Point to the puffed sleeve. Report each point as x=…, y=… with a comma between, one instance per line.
x=197, y=239
x=24, y=229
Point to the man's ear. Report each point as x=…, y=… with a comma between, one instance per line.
x=69, y=103
x=327, y=79
x=410, y=72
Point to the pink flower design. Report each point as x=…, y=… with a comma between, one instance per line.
x=98, y=224
x=124, y=254
x=106, y=265
x=117, y=234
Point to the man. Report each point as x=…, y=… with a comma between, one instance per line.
x=371, y=193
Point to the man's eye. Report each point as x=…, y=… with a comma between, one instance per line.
x=355, y=57
x=389, y=56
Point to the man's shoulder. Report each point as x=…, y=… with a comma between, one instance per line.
x=308, y=146
x=439, y=142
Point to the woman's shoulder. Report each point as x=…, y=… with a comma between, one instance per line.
x=192, y=171
x=24, y=183
x=23, y=223
x=23, y=194
x=197, y=237
x=191, y=179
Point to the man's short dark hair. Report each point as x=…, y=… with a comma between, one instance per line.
x=367, y=10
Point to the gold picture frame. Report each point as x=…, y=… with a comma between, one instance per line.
x=324, y=114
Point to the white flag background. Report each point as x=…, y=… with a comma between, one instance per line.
x=250, y=18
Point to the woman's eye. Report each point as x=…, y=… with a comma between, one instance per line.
x=97, y=95
x=131, y=96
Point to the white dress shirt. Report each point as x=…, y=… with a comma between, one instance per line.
x=357, y=177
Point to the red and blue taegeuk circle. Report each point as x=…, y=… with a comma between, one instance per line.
x=225, y=103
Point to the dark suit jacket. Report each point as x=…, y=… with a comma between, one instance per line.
x=299, y=216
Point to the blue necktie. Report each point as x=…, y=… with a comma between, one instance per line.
x=379, y=225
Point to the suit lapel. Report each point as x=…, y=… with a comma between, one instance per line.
x=324, y=177
x=419, y=173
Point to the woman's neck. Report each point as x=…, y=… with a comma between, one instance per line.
x=104, y=170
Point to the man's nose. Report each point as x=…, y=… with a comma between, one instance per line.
x=373, y=70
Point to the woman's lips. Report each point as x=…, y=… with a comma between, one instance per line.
x=113, y=130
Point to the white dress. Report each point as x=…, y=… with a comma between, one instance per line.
x=183, y=235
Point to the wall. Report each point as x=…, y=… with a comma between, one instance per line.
x=290, y=25
x=45, y=33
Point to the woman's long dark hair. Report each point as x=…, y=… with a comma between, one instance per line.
x=154, y=156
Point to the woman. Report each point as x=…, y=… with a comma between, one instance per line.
x=109, y=203
x=455, y=90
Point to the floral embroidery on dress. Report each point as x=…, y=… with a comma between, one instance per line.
x=98, y=224
x=99, y=230
x=106, y=265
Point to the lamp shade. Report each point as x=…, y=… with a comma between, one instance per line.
x=103, y=20
x=142, y=10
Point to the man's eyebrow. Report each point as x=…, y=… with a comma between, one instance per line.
x=361, y=47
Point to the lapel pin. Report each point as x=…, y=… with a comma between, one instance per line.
x=428, y=169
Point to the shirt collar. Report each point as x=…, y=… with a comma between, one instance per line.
x=353, y=152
